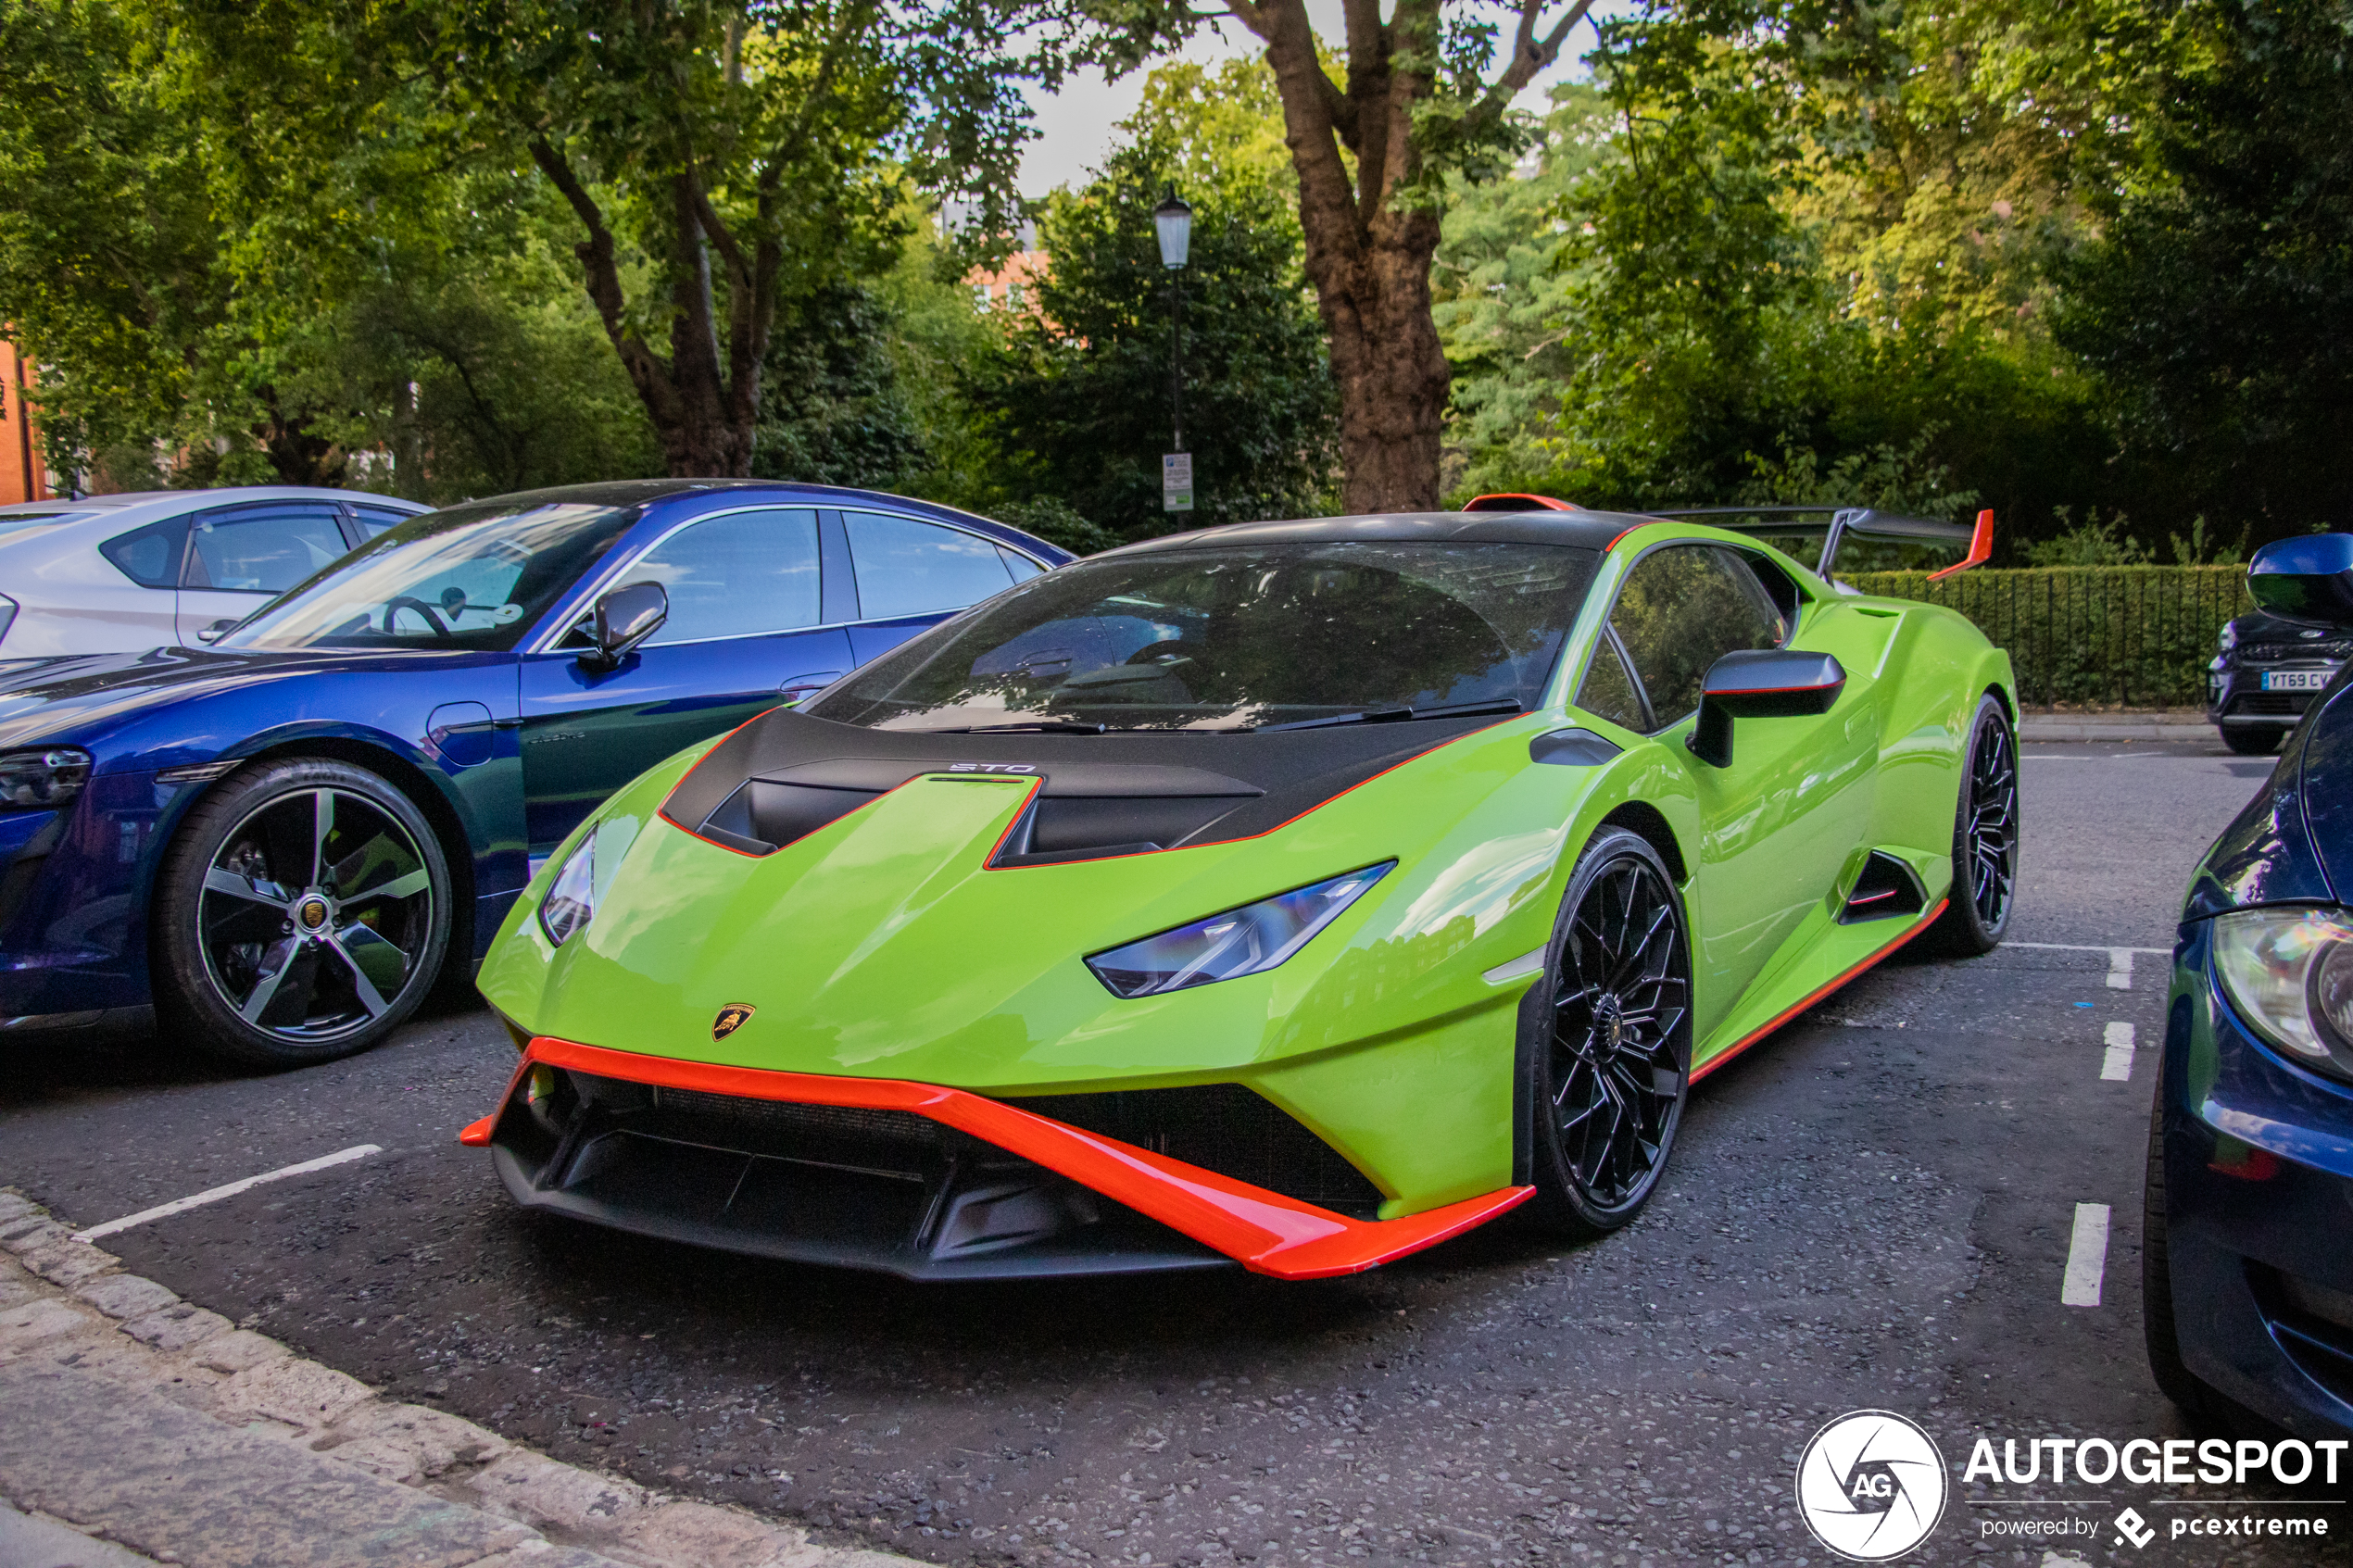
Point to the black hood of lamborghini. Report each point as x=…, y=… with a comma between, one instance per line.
x=787, y=774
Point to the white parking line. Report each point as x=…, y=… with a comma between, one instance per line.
x=2120, y=969
x=2117, y=1067
x=2086, y=1256
x=2090, y=947
x=214, y=1194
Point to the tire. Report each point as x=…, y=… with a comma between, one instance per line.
x=1985, y=837
x=2252, y=740
x=1612, y=1053
x=278, y=943
x=2174, y=1379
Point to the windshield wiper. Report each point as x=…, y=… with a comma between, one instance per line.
x=1392, y=715
x=1033, y=726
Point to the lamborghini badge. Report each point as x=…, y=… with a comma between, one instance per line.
x=730, y=1018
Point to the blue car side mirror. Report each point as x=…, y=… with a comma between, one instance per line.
x=625, y=618
x=2309, y=579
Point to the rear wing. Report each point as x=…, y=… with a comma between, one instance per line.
x=1832, y=524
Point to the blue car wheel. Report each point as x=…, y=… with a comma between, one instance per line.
x=303, y=913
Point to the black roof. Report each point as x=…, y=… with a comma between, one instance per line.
x=1593, y=530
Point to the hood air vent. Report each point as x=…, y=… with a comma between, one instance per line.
x=1083, y=811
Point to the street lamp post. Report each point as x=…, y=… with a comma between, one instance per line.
x=1173, y=221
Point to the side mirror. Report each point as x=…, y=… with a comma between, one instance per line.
x=2309, y=579
x=625, y=618
x=1761, y=683
x=217, y=630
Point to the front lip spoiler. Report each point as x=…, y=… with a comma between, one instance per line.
x=1263, y=1231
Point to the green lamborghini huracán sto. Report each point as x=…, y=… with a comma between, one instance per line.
x=1294, y=894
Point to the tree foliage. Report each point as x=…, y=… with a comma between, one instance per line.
x=1079, y=394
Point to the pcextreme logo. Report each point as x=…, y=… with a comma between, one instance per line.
x=1871, y=1485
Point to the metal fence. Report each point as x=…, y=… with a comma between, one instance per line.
x=2138, y=635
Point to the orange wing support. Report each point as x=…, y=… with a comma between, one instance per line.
x=1517, y=501
x=1981, y=549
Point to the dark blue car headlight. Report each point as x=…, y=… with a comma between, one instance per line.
x=43, y=779
x=1226, y=946
x=2289, y=975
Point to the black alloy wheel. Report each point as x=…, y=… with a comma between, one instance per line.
x=304, y=912
x=1614, y=1073
x=1985, y=838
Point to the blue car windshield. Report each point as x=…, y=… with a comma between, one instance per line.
x=1238, y=637
x=473, y=577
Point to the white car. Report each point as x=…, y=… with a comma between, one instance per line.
x=152, y=569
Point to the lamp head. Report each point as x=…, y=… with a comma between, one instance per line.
x=1175, y=221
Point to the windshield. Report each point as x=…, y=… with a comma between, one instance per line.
x=470, y=577
x=1237, y=638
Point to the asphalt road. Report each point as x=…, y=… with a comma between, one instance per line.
x=1873, y=1209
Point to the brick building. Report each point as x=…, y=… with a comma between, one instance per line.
x=23, y=476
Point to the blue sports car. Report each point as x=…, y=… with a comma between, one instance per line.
x=275, y=842
x=2248, y=1249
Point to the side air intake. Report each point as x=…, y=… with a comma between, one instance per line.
x=1887, y=888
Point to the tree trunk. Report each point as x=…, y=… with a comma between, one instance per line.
x=704, y=406
x=1370, y=235
x=1393, y=373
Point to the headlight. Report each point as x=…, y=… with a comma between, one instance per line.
x=1250, y=940
x=2230, y=637
x=2289, y=972
x=582, y=878
x=44, y=780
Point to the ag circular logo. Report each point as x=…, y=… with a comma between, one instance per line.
x=1871, y=1485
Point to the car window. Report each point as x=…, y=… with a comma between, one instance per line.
x=1020, y=565
x=264, y=549
x=910, y=568
x=375, y=520
x=476, y=576
x=1608, y=693
x=149, y=556
x=1682, y=608
x=736, y=575
x=1232, y=637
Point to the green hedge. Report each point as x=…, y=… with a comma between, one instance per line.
x=2139, y=636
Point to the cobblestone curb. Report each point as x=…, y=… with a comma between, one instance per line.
x=145, y=1420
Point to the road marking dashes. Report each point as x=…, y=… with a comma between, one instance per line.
x=2120, y=969
x=2118, y=1065
x=2086, y=1256
x=214, y=1194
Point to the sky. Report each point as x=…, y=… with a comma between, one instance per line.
x=1076, y=126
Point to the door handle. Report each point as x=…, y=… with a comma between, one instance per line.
x=799, y=688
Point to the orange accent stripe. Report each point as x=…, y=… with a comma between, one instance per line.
x=1720, y=1058
x=1263, y=1231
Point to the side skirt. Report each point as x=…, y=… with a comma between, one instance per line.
x=1821, y=957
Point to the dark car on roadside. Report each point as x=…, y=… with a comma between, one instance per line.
x=274, y=843
x=2247, y=1256
x=2264, y=674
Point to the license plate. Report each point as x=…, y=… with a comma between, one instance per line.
x=2295, y=680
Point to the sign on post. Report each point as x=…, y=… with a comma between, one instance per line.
x=1176, y=482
